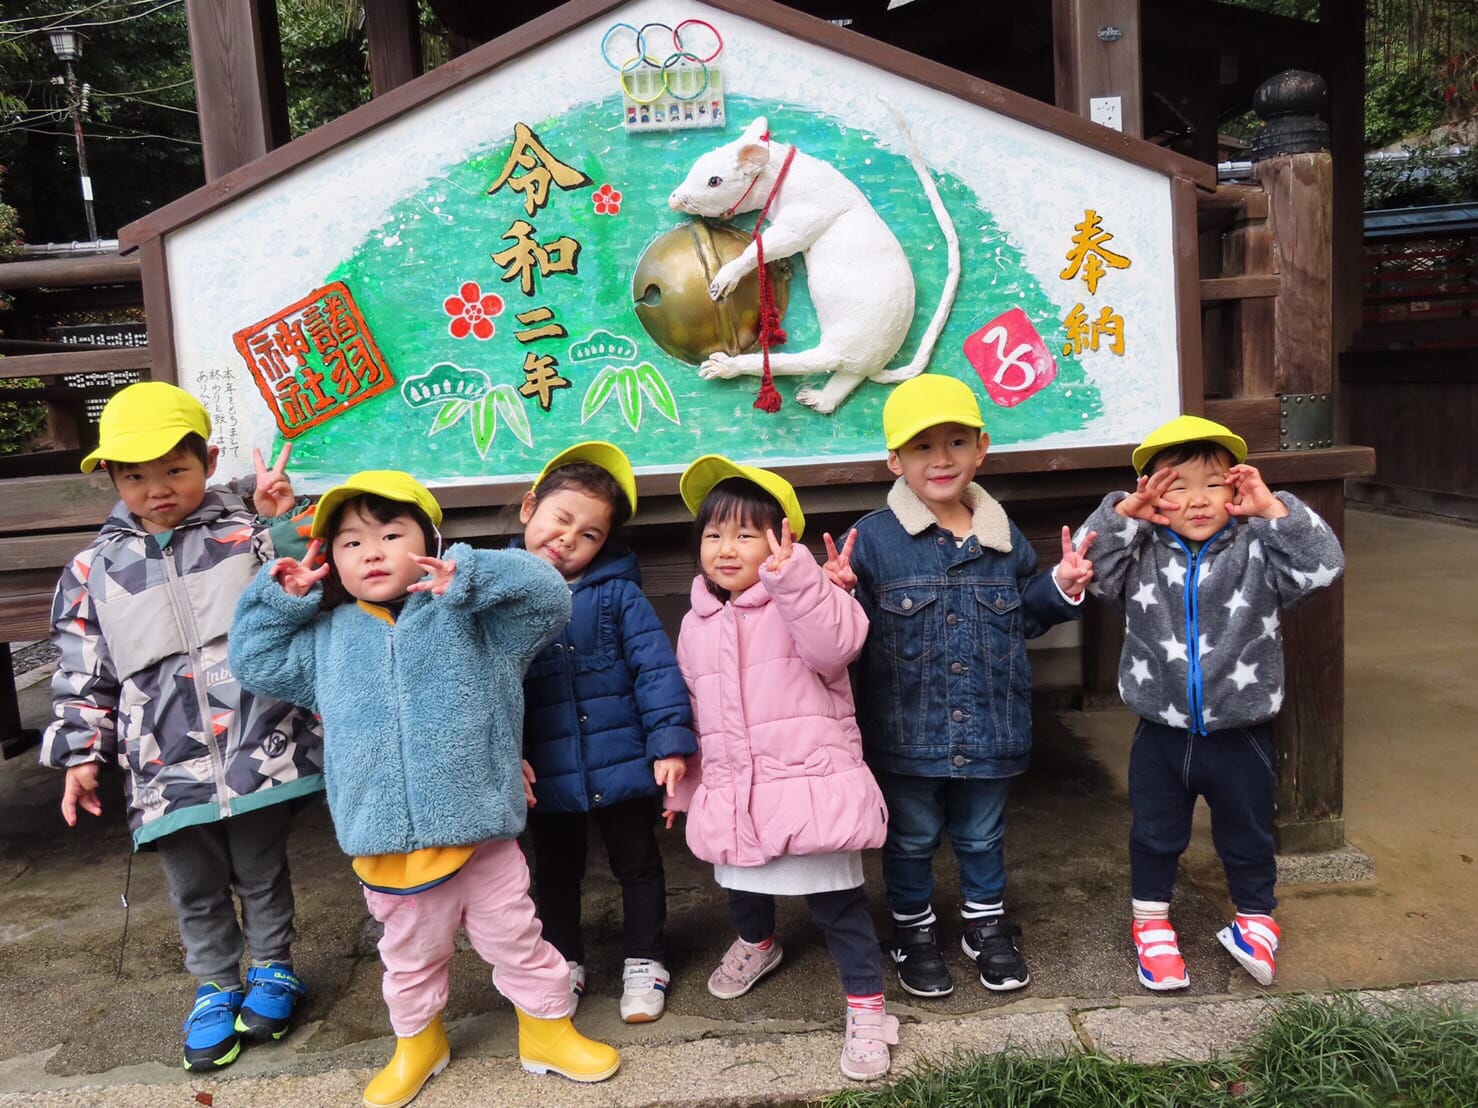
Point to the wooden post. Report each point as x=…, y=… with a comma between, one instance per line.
x=236, y=54
x=1096, y=51
x=1292, y=162
x=394, y=32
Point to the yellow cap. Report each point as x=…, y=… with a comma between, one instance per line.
x=392, y=484
x=146, y=421
x=699, y=478
x=603, y=454
x=927, y=401
x=1188, y=428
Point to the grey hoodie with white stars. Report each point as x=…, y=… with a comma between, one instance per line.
x=1202, y=646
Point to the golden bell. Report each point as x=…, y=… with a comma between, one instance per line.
x=670, y=289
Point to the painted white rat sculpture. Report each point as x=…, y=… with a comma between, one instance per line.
x=860, y=281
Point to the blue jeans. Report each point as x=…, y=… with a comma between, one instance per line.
x=1233, y=770
x=920, y=810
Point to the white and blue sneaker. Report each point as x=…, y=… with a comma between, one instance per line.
x=643, y=990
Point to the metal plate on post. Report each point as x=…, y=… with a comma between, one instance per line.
x=1306, y=421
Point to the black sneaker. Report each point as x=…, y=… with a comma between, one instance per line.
x=921, y=968
x=990, y=943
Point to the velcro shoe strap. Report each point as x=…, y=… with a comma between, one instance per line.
x=1256, y=930
x=1145, y=938
x=1159, y=949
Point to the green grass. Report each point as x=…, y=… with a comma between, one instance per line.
x=1320, y=1052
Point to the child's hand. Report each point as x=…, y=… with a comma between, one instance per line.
x=528, y=784
x=81, y=790
x=668, y=815
x=779, y=551
x=838, y=564
x=441, y=573
x=1254, y=498
x=669, y=771
x=298, y=578
x=274, y=496
x=1075, y=570
x=1147, y=501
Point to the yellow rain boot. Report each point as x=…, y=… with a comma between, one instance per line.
x=416, y=1061
x=554, y=1046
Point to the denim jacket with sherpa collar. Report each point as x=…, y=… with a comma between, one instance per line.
x=943, y=686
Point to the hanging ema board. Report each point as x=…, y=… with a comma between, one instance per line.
x=560, y=246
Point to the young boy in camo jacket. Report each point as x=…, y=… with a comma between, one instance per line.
x=1201, y=556
x=143, y=683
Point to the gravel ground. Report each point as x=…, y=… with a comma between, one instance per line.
x=25, y=657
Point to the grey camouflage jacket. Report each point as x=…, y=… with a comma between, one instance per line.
x=1202, y=646
x=143, y=682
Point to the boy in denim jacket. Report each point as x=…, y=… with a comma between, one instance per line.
x=943, y=685
x=1201, y=556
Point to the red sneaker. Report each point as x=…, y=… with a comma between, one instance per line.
x=1253, y=941
x=1160, y=965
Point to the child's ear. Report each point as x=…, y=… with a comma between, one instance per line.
x=894, y=466
x=526, y=509
x=212, y=456
x=980, y=448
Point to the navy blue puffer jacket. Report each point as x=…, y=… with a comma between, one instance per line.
x=605, y=699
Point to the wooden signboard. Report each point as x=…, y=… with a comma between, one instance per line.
x=525, y=257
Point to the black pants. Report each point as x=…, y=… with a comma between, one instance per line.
x=1233, y=770
x=629, y=831
x=844, y=920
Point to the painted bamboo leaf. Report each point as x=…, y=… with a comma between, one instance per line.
x=505, y=399
x=630, y=396
x=598, y=392
x=484, y=424
x=451, y=412
x=655, y=386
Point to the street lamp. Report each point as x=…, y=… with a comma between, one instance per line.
x=66, y=44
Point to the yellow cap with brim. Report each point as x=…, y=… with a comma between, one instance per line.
x=927, y=401
x=1188, y=428
x=146, y=421
x=603, y=454
x=699, y=478
x=392, y=484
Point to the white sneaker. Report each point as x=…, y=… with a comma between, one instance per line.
x=577, y=984
x=643, y=990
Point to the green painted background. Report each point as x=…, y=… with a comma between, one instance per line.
x=439, y=238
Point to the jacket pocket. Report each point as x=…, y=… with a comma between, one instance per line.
x=906, y=615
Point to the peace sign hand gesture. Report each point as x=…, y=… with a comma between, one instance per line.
x=440, y=575
x=780, y=550
x=838, y=565
x=1254, y=498
x=1075, y=570
x=1147, y=501
x=274, y=494
x=298, y=578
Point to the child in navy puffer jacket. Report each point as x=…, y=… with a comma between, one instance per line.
x=607, y=722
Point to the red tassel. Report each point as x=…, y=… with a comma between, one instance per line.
x=768, y=401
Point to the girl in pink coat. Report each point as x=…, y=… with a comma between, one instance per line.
x=778, y=797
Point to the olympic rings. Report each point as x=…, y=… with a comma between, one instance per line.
x=631, y=67
x=677, y=39
x=640, y=44
x=667, y=80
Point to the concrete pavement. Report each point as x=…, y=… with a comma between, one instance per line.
x=72, y=1033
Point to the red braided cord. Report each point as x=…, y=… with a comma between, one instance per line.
x=770, y=332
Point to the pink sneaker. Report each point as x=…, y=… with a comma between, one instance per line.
x=1161, y=966
x=865, y=1055
x=743, y=965
x=1253, y=941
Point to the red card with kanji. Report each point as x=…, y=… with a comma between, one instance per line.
x=1013, y=362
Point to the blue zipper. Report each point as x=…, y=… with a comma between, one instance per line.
x=1195, y=693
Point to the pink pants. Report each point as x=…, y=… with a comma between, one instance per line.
x=489, y=896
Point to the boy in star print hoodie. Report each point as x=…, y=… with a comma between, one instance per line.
x=1201, y=556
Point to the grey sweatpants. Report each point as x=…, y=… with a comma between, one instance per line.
x=204, y=864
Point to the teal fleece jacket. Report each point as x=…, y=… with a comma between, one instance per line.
x=422, y=718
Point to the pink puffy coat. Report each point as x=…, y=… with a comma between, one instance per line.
x=779, y=767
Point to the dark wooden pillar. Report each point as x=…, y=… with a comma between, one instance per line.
x=1292, y=163
x=394, y=32
x=236, y=53
x=1342, y=45
x=1096, y=53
